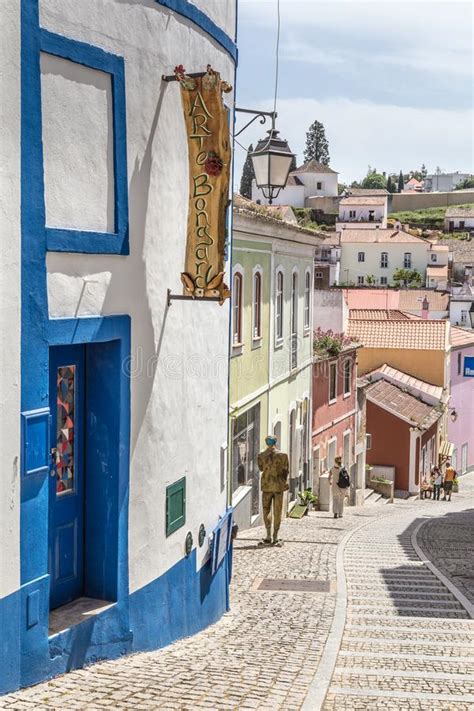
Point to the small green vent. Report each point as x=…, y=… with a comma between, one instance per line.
x=175, y=506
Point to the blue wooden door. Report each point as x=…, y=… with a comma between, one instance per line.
x=66, y=482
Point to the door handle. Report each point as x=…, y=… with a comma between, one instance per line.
x=54, y=460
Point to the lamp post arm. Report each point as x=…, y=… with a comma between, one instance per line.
x=262, y=115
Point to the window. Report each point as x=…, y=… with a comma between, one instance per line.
x=237, y=309
x=407, y=260
x=257, y=305
x=294, y=321
x=454, y=459
x=459, y=364
x=245, y=448
x=371, y=215
x=331, y=453
x=347, y=376
x=332, y=382
x=463, y=316
x=384, y=260
x=383, y=281
x=360, y=280
x=361, y=257
x=175, y=506
x=352, y=214
x=307, y=301
x=368, y=441
x=319, y=186
x=434, y=257
x=464, y=458
x=279, y=306
x=461, y=224
x=318, y=275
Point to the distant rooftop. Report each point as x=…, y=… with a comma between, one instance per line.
x=377, y=314
x=368, y=200
x=402, y=404
x=419, y=334
x=312, y=166
x=359, y=192
x=467, y=211
x=403, y=380
x=461, y=337
x=378, y=235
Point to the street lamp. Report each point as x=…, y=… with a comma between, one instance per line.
x=271, y=161
x=453, y=415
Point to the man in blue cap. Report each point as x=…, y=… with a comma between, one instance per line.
x=275, y=468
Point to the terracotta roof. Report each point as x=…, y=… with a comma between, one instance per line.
x=461, y=337
x=371, y=298
x=369, y=200
x=460, y=211
x=402, y=404
x=439, y=247
x=413, y=181
x=437, y=270
x=377, y=314
x=378, y=235
x=405, y=381
x=366, y=191
x=312, y=166
x=409, y=334
x=411, y=299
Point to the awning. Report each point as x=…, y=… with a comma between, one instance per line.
x=446, y=449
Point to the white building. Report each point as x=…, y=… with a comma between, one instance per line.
x=362, y=212
x=114, y=399
x=371, y=256
x=312, y=179
x=443, y=182
x=459, y=218
x=327, y=262
x=461, y=306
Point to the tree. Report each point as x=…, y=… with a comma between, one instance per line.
x=293, y=165
x=317, y=146
x=401, y=182
x=407, y=277
x=390, y=186
x=465, y=184
x=374, y=180
x=248, y=174
x=423, y=171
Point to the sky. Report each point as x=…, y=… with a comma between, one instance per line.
x=392, y=82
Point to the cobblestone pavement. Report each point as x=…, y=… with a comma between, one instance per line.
x=408, y=643
x=264, y=653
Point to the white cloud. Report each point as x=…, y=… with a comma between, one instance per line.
x=388, y=137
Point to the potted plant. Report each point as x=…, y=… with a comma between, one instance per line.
x=307, y=498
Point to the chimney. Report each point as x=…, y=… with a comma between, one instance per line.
x=425, y=309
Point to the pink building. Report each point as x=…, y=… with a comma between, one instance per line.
x=461, y=420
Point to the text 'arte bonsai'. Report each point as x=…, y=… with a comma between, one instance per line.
x=207, y=128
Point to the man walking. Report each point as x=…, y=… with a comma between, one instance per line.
x=275, y=468
x=339, y=479
x=449, y=477
x=438, y=480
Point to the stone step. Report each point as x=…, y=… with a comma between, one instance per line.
x=426, y=647
x=436, y=682
x=403, y=601
x=445, y=627
x=403, y=595
x=340, y=697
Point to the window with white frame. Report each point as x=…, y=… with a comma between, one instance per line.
x=352, y=214
x=332, y=382
x=384, y=260
x=361, y=256
x=347, y=376
x=319, y=186
x=360, y=280
x=237, y=309
x=407, y=260
x=463, y=316
x=257, y=305
x=307, y=301
x=279, y=305
x=434, y=257
x=318, y=275
x=368, y=441
x=294, y=320
x=383, y=281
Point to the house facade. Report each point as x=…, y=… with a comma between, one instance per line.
x=362, y=212
x=461, y=306
x=461, y=424
x=371, y=256
x=312, y=179
x=114, y=396
x=443, y=182
x=270, y=366
x=459, y=219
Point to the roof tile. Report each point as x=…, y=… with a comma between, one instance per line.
x=378, y=235
x=402, y=404
x=407, y=334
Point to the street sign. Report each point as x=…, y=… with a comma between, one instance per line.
x=469, y=366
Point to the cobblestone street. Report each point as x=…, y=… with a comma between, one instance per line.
x=390, y=635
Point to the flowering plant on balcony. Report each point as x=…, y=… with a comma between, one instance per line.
x=328, y=342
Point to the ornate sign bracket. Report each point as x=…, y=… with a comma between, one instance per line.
x=185, y=297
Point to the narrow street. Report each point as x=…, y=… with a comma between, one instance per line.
x=381, y=630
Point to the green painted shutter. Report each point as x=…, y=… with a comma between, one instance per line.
x=175, y=506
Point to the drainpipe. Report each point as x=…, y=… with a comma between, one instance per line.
x=414, y=448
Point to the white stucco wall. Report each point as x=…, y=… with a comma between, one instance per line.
x=330, y=310
x=455, y=312
x=179, y=366
x=328, y=184
x=362, y=213
x=76, y=104
x=10, y=301
x=292, y=195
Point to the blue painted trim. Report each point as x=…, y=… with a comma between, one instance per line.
x=34, y=443
x=10, y=611
x=191, y=12
x=70, y=240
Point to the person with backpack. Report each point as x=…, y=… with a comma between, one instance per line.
x=340, y=483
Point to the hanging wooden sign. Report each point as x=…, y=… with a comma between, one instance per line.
x=207, y=128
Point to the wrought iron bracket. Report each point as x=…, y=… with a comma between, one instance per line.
x=173, y=77
x=184, y=297
x=262, y=115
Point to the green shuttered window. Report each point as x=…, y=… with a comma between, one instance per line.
x=175, y=506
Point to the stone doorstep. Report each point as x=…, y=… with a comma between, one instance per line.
x=348, y=692
x=404, y=595
x=350, y=639
x=399, y=673
x=420, y=627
